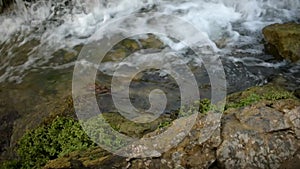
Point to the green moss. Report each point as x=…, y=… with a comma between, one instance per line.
x=45, y=143
x=278, y=95
x=202, y=106
x=65, y=135
x=253, y=98
x=205, y=106
x=102, y=133
x=256, y=94
x=164, y=124
x=13, y=164
x=185, y=112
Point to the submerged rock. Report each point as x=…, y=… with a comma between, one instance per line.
x=5, y=4
x=283, y=40
x=45, y=93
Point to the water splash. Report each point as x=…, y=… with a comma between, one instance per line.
x=80, y=19
x=63, y=24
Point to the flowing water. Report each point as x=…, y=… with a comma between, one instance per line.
x=39, y=42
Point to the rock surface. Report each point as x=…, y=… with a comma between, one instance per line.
x=258, y=136
x=4, y=4
x=6, y=130
x=283, y=40
x=263, y=134
x=43, y=95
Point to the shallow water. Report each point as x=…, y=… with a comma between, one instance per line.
x=47, y=36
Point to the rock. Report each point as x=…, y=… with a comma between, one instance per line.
x=45, y=94
x=128, y=46
x=132, y=129
x=6, y=130
x=263, y=134
x=88, y=159
x=294, y=118
x=151, y=42
x=297, y=93
x=187, y=153
x=283, y=41
x=258, y=137
x=293, y=162
x=5, y=4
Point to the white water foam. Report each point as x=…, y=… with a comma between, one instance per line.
x=213, y=17
x=255, y=62
x=57, y=24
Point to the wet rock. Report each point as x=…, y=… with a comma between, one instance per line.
x=22, y=53
x=128, y=46
x=263, y=134
x=297, y=93
x=185, y=155
x=62, y=56
x=6, y=130
x=151, y=42
x=90, y=157
x=44, y=93
x=4, y=4
x=130, y=128
x=283, y=41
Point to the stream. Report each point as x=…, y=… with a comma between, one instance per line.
x=40, y=42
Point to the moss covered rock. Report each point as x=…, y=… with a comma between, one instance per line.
x=62, y=136
x=259, y=129
x=59, y=136
x=128, y=46
x=269, y=92
x=283, y=40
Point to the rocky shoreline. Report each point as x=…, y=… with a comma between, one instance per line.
x=262, y=133
x=260, y=127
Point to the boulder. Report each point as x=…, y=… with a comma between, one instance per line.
x=259, y=136
x=263, y=133
x=283, y=41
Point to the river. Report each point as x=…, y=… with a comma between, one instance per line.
x=40, y=42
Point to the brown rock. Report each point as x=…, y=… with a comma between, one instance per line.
x=264, y=134
x=283, y=41
x=258, y=136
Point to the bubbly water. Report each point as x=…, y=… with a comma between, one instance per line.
x=234, y=25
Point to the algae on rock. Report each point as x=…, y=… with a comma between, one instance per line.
x=283, y=40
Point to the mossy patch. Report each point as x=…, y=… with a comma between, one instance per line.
x=64, y=135
x=130, y=128
x=13, y=164
x=164, y=124
x=48, y=142
x=202, y=106
x=252, y=98
x=278, y=95
x=256, y=94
